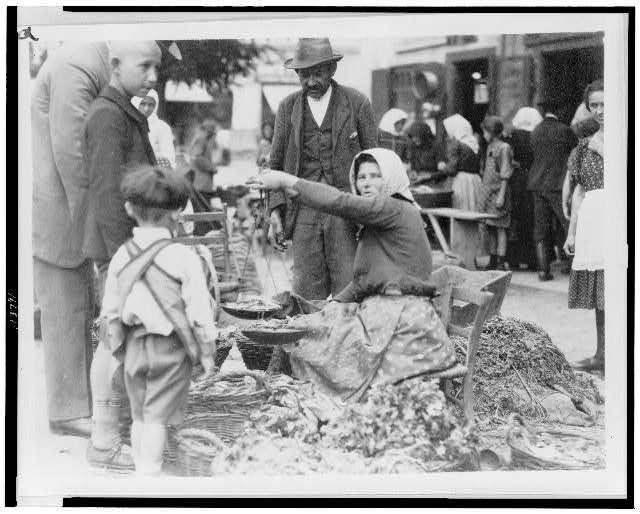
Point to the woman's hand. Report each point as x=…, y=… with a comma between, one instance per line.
x=500, y=202
x=272, y=179
x=442, y=166
x=570, y=245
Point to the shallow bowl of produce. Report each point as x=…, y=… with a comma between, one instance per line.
x=251, y=309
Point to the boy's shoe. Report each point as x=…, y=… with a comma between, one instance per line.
x=118, y=458
x=80, y=427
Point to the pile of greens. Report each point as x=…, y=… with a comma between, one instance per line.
x=517, y=365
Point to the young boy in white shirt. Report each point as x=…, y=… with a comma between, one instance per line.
x=158, y=312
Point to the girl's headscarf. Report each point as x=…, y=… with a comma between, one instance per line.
x=394, y=174
x=527, y=118
x=390, y=118
x=460, y=129
x=151, y=94
x=422, y=131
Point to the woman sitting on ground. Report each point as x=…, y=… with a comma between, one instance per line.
x=382, y=327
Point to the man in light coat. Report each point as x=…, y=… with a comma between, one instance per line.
x=64, y=88
x=318, y=132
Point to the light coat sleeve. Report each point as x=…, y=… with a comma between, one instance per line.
x=72, y=89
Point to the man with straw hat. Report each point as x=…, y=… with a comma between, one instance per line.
x=318, y=132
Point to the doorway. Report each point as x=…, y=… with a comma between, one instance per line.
x=464, y=91
x=461, y=66
x=566, y=73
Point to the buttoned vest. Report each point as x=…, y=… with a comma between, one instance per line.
x=317, y=145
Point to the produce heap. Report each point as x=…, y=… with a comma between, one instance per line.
x=408, y=428
x=517, y=366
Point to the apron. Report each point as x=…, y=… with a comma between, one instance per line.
x=589, y=252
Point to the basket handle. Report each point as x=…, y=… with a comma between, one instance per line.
x=191, y=437
x=260, y=381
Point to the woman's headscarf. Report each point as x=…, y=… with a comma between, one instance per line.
x=460, y=129
x=527, y=118
x=394, y=174
x=390, y=118
x=136, y=100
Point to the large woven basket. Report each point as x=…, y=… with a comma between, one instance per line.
x=258, y=357
x=228, y=393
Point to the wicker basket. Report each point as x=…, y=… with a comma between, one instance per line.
x=205, y=397
x=257, y=357
x=195, y=449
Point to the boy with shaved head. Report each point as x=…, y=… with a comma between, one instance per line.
x=116, y=139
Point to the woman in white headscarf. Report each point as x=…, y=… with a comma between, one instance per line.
x=160, y=134
x=382, y=327
x=463, y=163
x=391, y=132
x=521, y=248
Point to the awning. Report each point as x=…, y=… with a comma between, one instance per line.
x=182, y=92
x=275, y=93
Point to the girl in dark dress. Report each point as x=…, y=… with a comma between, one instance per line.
x=495, y=196
x=521, y=249
x=586, y=230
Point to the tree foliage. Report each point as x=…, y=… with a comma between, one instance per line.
x=216, y=62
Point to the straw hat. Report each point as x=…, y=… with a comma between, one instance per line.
x=310, y=52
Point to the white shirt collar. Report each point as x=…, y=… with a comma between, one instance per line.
x=319, y=106
x=148, y=235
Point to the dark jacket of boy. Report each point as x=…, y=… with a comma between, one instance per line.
x=116, y=138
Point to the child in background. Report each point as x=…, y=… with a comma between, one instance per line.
x=158, y=311
x=264, y=145
x=494, y=194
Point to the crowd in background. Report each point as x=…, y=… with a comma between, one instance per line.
x=445, y=153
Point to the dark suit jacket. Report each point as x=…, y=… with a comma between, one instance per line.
x=116, y=139
x=353, y=129
x=551, y=143
x=67, y=83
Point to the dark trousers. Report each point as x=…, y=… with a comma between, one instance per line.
x=66, y=300
x=521, y=248
x=324, y=247
x=547, y=206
